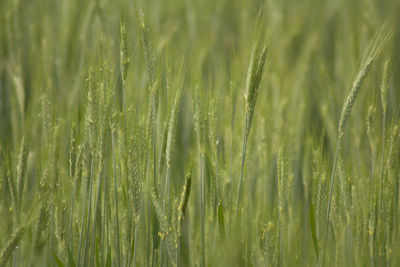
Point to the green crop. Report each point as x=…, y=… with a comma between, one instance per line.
x=199, y=133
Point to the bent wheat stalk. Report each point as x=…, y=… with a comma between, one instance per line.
x=374, y=49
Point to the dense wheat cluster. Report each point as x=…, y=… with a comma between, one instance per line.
x=199, y=133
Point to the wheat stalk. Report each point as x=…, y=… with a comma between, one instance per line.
x=374, y=49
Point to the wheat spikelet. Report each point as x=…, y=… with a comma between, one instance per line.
x=13, y=192
x=385, y=86
x=133, y=172
x=21, y=169
x=62, y=223
x=184, y=199
x=92, y=111
x=166, y=230
x=351, y=97
x=124, y=64
x=147, y=49
x=254, y=75
x=161, y=160
x=320, y=204
x=151, y=116
x=319, y=195
x=169, y=145
x=46, y=118
x=12, y=243
x=54, y=156
x=43, y=219
x=374, y=49
x=269, y=246
x=172, y=126
x=124, y=58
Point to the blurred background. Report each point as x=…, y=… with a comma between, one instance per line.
x=48, y=45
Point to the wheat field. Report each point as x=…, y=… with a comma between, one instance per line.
x=199, y=133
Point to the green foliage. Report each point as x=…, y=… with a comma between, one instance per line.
x=160, y=133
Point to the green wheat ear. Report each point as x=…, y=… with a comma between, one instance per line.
x=374, y=49
x=124, y=55
x=385, y=85
x=184, y=198
x=166, y=229
x=21, y=172
x=254, y=76
x=12, y=243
